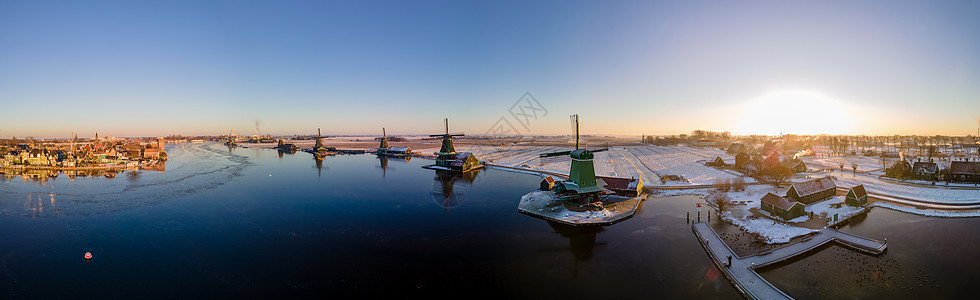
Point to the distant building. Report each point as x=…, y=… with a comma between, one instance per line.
x=718, y=162
x=924, y=170
x=901, y=169
x=856, y=196
x=736, y=148
x=963, y=171
x=812, y=191
x=741, y=158
x=397, y=151
x=797, y=165
x=781, y=207
x=151, y=153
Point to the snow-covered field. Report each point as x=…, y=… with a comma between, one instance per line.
x=865, y=163
x=687, y=162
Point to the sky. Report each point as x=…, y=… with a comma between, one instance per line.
x=156, y=68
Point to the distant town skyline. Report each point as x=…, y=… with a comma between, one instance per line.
x=353, y=67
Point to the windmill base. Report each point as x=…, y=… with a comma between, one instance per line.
x=610, y=210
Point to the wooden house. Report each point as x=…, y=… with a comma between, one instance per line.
x=812, y=191
x=459, y=161
x=857, y=196
x=736, y=148
x=781, y=207
x=621, y=186
x=741, y=158
x=924, y=170
x=547, y=183
x=718, y=162
x=964, y=171
x=397, y=151
x=797, y=165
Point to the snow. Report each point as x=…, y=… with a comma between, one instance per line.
x=865, y=163
x=543, y=203
x=824, y=209
x=888, y=187
x=773, y=232
x=686, y=162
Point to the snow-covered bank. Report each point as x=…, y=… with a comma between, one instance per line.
x=771, y=231
x=937, y=194
x=929, y=213
x=824, y=209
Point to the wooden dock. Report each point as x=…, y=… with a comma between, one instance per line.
x=742, y=273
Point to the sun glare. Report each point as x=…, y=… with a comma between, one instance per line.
x=794, y=112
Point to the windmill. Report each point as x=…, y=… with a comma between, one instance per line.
x=581, y=184
x=448, y=159
x=384, y=142
x=231, y=141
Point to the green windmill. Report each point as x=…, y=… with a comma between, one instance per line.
x=384, y=142
x=581, y=183
x=448, y=159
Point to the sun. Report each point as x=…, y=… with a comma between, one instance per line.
x=794, y=112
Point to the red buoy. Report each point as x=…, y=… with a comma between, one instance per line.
x=88, y=255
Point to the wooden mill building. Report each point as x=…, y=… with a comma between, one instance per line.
x=925, y=170
x=812, y=191
x=781, y=207
x=964, y=171
x=857, y=196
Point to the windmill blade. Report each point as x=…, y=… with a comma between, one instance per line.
x=599, y=150
x=562, y=153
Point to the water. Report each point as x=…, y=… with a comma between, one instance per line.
x=927, y=257
x=251, y=223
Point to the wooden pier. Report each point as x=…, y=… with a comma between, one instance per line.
x=742, y=273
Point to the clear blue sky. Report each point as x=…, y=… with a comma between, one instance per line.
x=151, y=68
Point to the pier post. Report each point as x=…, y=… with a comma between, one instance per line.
x=699, y=216
x=688, y=217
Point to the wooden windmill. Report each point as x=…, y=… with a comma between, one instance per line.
x=581, y=183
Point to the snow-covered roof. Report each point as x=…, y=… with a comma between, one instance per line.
x=813, y=186
x=859, y=191
x=924, y=167
x=777, y=201
x=964, y=167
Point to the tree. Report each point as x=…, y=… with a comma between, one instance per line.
x=720, y=200
x=854, y=167
x=777, y=174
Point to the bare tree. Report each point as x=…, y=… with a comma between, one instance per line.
x=854, y=167
x=777, y=175
x=720, y=200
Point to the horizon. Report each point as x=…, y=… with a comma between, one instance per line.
x=880, y=68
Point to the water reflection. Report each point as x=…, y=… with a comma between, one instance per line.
x=319, y=165
x=36, y=203
x=581, y=240
x=446, y=192
x=384, y=162
x=281, y=152
x=42, y=176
